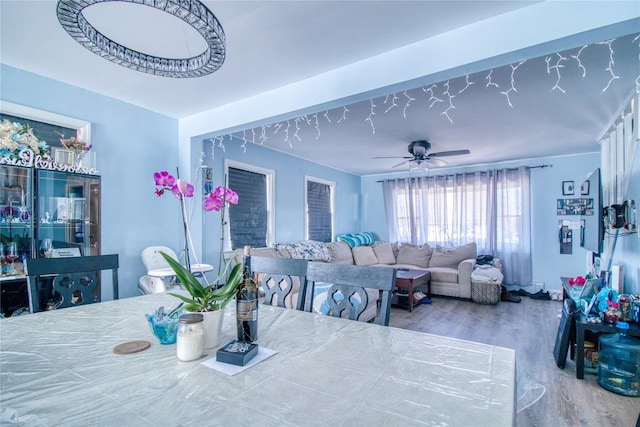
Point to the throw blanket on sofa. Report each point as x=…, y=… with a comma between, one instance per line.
x=306, y=249
x=356, y=239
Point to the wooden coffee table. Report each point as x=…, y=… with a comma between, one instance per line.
x=408, y=279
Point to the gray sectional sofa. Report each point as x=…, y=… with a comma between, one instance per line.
x=450, y=268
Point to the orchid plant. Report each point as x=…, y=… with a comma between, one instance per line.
x=203, y=298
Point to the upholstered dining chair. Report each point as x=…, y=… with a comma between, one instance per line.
x=347, y=291
x=74, y=278
x=278, y=276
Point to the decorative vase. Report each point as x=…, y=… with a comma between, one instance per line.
x=78, y=157
x=212, y=327
x=165, y=328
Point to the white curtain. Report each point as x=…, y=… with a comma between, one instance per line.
x=402, y=202
x=490, y=208
x=513, y=224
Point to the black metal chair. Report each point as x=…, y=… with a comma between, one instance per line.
x=347, y=281
x=74, y=278
x=276, y=275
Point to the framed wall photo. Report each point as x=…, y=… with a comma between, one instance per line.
x=567, y=188
x=584, y=189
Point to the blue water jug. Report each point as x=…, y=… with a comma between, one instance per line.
x=619, y=357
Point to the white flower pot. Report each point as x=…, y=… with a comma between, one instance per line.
x=212, y=327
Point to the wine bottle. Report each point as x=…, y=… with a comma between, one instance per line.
x=247, y=302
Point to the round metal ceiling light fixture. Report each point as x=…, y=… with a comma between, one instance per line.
x=193, y=12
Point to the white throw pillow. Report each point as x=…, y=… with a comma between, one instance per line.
x=451, y=257
x=414, y=255
x=364, y=255
x=384, y=253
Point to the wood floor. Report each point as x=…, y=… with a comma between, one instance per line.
x=530, y=329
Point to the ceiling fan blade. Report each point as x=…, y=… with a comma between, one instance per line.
x=449, y=153
x=392, y=157
x=437, y=161
x=402, y=163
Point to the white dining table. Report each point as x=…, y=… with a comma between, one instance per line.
x=58, y=368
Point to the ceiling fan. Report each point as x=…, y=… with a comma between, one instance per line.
x=419, y=157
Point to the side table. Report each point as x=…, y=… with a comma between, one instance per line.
x=408, y=279
x=582, y=326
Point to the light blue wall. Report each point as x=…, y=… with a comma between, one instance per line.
x=130, y=144
x=627, y=249
x=289, y=192
x=546, y=187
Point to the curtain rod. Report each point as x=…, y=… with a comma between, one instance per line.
x=509, y=169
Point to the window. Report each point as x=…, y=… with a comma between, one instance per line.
x=489, y=208
x=319, y=209
x=251, y=220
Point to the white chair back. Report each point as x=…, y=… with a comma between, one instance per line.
x=152, y=259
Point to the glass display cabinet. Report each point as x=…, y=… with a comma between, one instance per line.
x=16, y=235
x=44, y=214
x=67, y=213
x=49, y=198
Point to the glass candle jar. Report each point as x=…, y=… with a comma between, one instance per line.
x=190, y=340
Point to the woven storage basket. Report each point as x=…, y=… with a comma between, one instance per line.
x=485, y=292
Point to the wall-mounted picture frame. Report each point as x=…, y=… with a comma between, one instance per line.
x=581, y=206
x=568, y=188
x=584, y=188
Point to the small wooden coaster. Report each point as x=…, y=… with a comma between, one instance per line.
x=131, y=347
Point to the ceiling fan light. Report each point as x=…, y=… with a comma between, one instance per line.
x=418, y=165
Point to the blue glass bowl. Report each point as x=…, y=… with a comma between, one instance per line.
x=165, y=329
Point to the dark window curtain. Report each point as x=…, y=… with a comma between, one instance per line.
x=248, y=219
x=319, y=211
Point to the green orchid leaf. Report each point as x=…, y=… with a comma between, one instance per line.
x=189, y=304
x=231, y=284
x=187, y=279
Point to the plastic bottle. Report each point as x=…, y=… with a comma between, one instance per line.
x=619, y=357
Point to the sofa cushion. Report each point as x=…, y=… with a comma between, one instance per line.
x=414, y=255
x=384, y=253
x=451, y=257
x=364, y=255
x=444, y=274
x=356, y=239
x=340, y=253
x=306, y=249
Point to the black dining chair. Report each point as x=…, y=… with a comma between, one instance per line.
x=74, y=278
x=278, y=277
x=349, y=281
